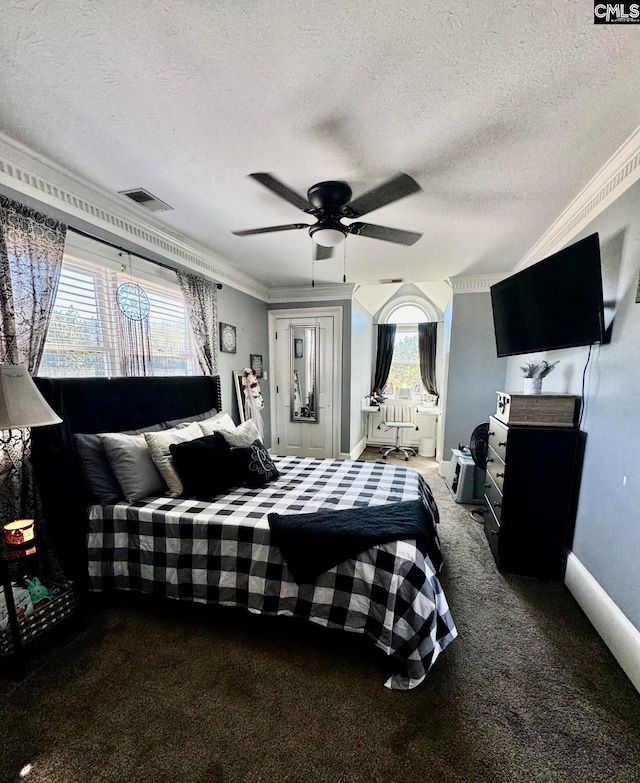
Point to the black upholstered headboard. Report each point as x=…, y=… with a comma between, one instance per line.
x=99, y=405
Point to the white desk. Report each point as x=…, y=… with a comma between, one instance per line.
x=426, y=419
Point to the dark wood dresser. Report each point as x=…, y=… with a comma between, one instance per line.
x=530, y=495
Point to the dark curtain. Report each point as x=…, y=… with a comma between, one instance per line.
x=427, y=334
x=384, y=355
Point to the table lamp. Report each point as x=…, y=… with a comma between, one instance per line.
x=21, y=406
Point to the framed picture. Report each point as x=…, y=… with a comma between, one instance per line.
x=417, y=388
x=238, y=375
x=256, y=364
x=227, y=338
x=298, y=348
x=388, y=390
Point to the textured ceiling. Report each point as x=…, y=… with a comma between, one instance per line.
x=502, y=111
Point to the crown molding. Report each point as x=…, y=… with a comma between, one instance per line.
x=32, y=175
x=618, y=174
x=473, y=284
x=319, y=293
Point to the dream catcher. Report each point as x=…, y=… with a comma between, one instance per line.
x=133, y=305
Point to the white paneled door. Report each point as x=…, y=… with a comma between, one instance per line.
x=295, y=436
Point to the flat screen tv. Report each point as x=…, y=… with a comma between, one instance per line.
x=556, y=303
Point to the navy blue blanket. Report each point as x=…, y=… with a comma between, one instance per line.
x=314, y=543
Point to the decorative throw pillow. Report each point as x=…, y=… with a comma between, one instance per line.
x=131, y=462
x=204, y=466
x=189, y=419
x=216, y=423
x=95, y=465
x=159, y=442
x=253, y=464
x=242, y=435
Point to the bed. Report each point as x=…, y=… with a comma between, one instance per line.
x=222, y=552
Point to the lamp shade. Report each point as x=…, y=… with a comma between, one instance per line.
x=21, y=404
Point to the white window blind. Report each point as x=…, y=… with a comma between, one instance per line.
x=84, y=334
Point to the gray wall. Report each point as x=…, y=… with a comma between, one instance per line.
x=346, y=358
x=249, y=316
x=607, y=533
x=361, y=364
x=474, y=372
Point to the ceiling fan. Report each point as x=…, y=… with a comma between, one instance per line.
x=329, y=202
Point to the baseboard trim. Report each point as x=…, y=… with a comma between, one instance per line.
x=356, y=451
x=616, y=630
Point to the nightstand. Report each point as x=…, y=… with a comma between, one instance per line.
x=48, y=613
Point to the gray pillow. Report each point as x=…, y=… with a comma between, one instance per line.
x=131, y=462
x=95, y=465
x=189, y=419
x=97, y=470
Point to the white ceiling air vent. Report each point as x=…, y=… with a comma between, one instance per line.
x=391, y=280
x=145, y=199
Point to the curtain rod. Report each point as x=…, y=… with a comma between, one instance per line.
x=123, y=250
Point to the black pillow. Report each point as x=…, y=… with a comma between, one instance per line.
x=253, y=465
x=204, y=466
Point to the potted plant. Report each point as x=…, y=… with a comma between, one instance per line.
x=533, y=373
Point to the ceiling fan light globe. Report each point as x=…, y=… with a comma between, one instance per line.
x=328, y=237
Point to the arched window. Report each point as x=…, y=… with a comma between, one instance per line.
x=407, y=314
x=404, y=381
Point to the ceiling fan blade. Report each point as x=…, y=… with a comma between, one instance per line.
x=282, y=190
x=321, y=253
x=396, y=188
x=269, y=229
x=383, y=232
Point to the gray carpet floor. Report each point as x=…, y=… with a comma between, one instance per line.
x=158, y=692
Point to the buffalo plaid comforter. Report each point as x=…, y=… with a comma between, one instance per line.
x=220, y=552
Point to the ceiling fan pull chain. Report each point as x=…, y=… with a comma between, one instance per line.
x=313, y=265
x=344, y=261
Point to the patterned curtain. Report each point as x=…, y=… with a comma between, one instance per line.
x=201, y=298
x=427, y=333
x=31, y=248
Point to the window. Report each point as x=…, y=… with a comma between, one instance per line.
x=84, y=337
x=404, y=380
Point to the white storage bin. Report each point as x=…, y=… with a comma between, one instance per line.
x=427, y=447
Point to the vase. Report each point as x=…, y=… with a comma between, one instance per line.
x=533, y=386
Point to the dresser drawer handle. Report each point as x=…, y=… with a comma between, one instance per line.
x=486, y=486
x=499, y=475
x=502, y=443
x=494, y=532
x=492, y=433
x=490, y=459
x=497, y=505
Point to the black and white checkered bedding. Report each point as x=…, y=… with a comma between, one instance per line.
x=220, y=552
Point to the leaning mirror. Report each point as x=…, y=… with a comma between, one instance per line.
x=304, y=372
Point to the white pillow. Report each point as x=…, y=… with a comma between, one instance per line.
x=221, y=421
x=159, y=442
x=242, y=435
